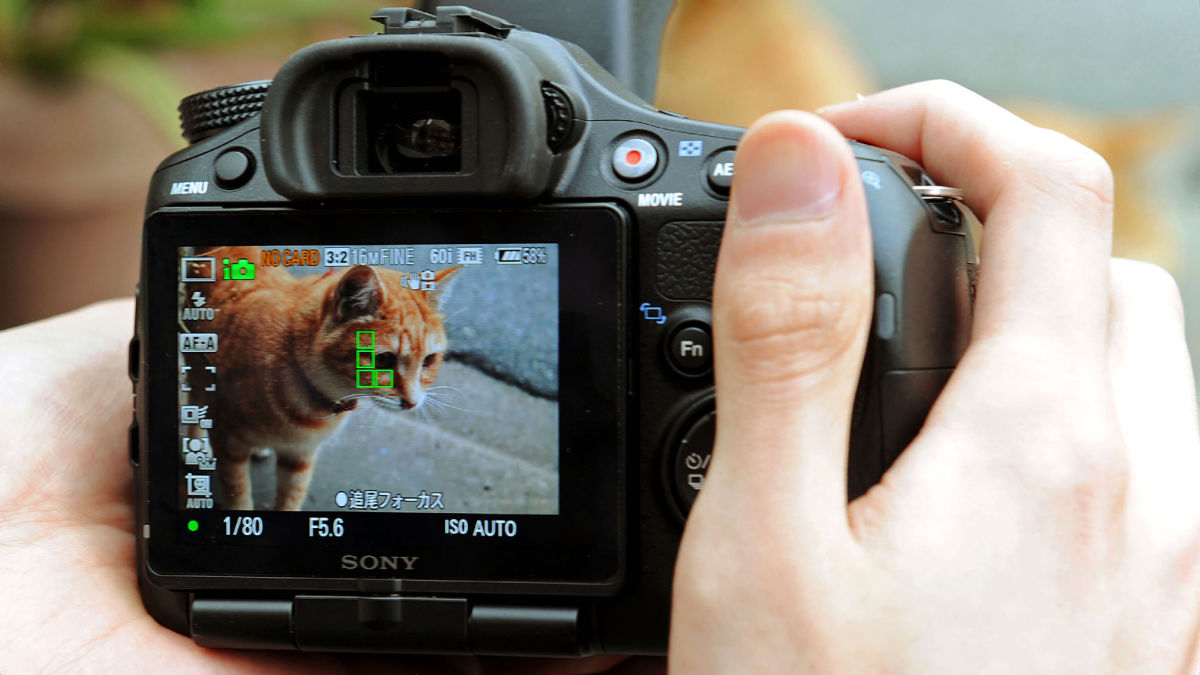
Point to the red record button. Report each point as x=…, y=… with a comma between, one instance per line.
x=634, y=159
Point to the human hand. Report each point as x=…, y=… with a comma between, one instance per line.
x=1045, y=519
x=68, y=584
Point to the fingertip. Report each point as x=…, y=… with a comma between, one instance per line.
x=797, y=249
x=791, y=305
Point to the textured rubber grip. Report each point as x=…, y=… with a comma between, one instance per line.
x=207, y=112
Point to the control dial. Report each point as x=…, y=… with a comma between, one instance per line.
x=204, y=114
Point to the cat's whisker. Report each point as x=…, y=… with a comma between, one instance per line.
x=446, y=396
x=435, y=401
x=386, y=403
x=456, y=312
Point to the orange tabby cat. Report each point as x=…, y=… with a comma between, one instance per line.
x=286, y=363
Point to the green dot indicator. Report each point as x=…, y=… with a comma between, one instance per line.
x=193, y=525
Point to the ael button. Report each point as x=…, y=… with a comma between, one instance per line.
x=233, y=168
x=689, y=350
x=719, y=169
x=634, y=159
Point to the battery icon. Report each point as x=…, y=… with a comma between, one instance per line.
x=508, y=256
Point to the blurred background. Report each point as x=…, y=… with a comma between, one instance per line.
x=88, y=93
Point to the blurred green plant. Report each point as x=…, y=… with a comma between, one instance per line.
x=116, y=41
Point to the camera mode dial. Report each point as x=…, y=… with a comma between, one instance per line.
x=204, y=114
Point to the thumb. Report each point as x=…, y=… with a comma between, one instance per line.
x=791, y=310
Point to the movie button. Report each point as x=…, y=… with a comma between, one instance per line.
x=689, y=350
x=719, y=170
x=692, y=457
x=233, y=168
x=634, y=159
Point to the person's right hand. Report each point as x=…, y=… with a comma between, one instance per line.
x=1047, y=516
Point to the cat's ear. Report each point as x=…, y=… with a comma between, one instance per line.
x=442, y=278
x=359, y=294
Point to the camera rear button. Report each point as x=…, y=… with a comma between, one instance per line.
x=719, y=170
x=634, y=159
x=690, y=350
x=233, y=168
x=692, y=457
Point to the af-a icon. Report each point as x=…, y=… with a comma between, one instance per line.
x=204, y=343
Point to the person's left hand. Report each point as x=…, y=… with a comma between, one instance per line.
x=68, y=583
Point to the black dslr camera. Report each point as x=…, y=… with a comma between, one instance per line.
x=423, y=360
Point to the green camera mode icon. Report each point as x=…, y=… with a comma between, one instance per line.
x=242, y=269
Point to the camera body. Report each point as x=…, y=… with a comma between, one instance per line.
x=457, y=200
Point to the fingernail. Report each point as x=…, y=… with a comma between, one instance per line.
x=840, y=104
x=787, y=171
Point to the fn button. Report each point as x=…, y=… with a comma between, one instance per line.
x=690, y=350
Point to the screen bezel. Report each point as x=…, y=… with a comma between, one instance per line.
x=583, y=547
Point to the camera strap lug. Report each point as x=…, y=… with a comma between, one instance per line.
x=451, y=20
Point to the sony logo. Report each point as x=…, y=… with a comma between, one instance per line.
x=378, y=562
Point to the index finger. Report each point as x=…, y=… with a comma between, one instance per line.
x=1045, y=200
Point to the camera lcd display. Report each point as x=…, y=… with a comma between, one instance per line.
x=395, y=378
x=432, y=384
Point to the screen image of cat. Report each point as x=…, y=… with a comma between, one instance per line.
x=406, y=387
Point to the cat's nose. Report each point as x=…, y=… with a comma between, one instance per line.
x=410, y=401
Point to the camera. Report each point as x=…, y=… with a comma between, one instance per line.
x=423, y=357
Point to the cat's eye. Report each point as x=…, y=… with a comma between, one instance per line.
x=385, y=361
x=430, y=360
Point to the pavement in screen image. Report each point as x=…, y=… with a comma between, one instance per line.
x=486, y=446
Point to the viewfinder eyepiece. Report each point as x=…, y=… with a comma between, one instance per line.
x=414, y=132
